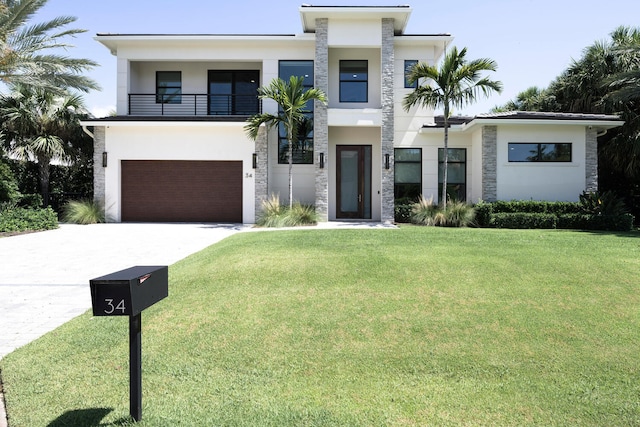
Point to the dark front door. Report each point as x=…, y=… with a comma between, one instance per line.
x=353, y=181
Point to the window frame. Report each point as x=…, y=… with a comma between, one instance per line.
x=161, y=96
x=538, y=157
x=343, y=81
x=409, y=63
x=462, y=191
x=400, y=189
x=307, y=152
x=246, y=105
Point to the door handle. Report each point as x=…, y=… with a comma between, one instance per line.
x=359, y=198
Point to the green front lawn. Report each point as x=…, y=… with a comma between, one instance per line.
x=409, y=327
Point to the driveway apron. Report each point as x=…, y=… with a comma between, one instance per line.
x=44, y=276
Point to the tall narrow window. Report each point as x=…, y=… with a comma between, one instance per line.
x=354, y=77
x=456, y=173
x=408, y=64
x=408, y=173
x=303, y=141
x=168, y=87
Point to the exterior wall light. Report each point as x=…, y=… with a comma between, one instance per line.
x=386, y=161
x=255, y=160
x=104, y=159
x=321, y=160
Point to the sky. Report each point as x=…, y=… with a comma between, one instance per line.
x=532, y=41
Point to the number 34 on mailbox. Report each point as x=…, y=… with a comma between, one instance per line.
x=128, y=292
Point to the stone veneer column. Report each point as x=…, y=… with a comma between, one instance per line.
x=320, y=120
x=261, y=172
x=489, y=163
x=591, y=161
x=387, y=131
x=99, y=173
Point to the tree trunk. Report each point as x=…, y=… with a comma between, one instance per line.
x=43, y=172
x=445, y=157
x=290, y=141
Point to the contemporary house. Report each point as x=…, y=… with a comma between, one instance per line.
x=177, y=150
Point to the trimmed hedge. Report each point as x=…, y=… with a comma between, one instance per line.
x=22, y=219
x=533, y=214
x=523, y=220
x=402, y=212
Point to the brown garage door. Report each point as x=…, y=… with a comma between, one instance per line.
x=181, y=191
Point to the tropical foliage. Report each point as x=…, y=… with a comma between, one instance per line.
x=83, y=212
x=292, y=99
x=275, y=214
x=456, y=83
x=25, y=49
x=42, y=126
x=458, y=214
x=606, y=79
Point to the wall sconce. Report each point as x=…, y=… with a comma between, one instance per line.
x=321, y=160
x=255, y=160
x=104, y=159
x=386, y=161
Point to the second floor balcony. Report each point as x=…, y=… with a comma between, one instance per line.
x=193, y=105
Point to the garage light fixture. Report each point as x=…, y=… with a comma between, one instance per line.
x=321, y=160
x=104, y=159
x=255, y=160
x=386, y=161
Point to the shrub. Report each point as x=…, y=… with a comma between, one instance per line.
x=23, y=219
x=275, y=215
x=300, y=214
x=8, y=185
x=457, y=214
x=605, y=203
x=402, y=209
x=523, y=220
x=424, y=211
x=483, y=213
x=83, y=212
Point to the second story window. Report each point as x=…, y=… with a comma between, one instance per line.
x=303, y=144
x=234, y=92
x=408, y=64
x=354, y=77
x=168, y=87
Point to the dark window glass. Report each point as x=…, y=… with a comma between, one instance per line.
x=169, y=87
x=234, y=92
x=408, y=64
x=539, y=152
x=354, y=77
x=302, y=146
x=456, y=173
x=407, y=173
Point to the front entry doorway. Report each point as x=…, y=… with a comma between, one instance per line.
x=353, y=181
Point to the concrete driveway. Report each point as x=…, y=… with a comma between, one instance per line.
x=44, y=277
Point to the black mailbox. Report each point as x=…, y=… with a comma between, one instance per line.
x=128, y=292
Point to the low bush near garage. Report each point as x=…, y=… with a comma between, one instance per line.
x=83, y=212
x=24, y=219
x=276, y=215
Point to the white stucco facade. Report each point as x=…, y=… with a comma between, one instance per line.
x=187, y=130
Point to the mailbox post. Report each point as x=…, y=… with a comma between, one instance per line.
x=127, y=293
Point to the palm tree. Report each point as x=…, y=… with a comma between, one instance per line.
x=23, y=49
x=41, y=126
x=292, y=99
x=456, y=83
